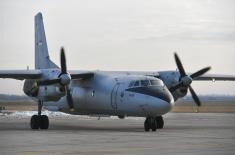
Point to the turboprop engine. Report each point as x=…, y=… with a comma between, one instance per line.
x=185, y=80
x=171, y=78
x=45, y=93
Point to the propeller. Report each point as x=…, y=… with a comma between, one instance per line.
x=63, y=79
x=186, y=80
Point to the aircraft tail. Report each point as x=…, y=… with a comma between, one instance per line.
x=42, y=59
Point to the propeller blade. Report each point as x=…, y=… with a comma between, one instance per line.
x=179, y=65
x=69, y=99
x=200, y=72
x=48, y=82
x=63, y=61
x=195, y=97
x=172, y=89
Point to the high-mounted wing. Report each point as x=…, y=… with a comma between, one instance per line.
x=37, y=74
x=81, y=75
x=215, y=77
x=21, y=74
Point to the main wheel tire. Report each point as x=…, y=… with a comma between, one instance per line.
x=35, y=122
x=153, y=124
x=160, y=122
x=44, y=122
x=146, y=125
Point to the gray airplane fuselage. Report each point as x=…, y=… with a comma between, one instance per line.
x=114, y=93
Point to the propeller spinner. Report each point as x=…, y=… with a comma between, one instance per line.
x=186, y=80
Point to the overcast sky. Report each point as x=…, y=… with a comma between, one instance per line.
x=123, y=35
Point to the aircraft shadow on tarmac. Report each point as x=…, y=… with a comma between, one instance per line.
x=122, y=128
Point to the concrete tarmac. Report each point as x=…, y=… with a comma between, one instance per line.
x=184, y=133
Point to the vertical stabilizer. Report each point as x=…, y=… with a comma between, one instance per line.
x=42, y=59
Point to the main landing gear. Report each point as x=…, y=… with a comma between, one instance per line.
x=39, y=121
x=153, y=123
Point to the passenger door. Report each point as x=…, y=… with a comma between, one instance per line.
x=117, y=95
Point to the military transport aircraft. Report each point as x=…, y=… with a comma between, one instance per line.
x=119, y=93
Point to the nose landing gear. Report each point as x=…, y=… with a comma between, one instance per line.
x=150, y=123
x=153, y=123
x=160, y=122
x=39, y=121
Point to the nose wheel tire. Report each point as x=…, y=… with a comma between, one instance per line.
x=153, y=123
x=146, y=125
x=160, y=122
x=150, y=123
x=39, y=121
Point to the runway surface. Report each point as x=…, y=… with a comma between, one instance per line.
x=188, y=133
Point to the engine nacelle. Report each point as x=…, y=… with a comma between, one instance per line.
x=31, y=88
x=181, y=92
x=171, y=78
x=45, y=93
x=51, y=93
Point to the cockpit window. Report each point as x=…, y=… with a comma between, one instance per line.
x=144, y=83
x=154, y=82
x=137, y=83
x=132, y=84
